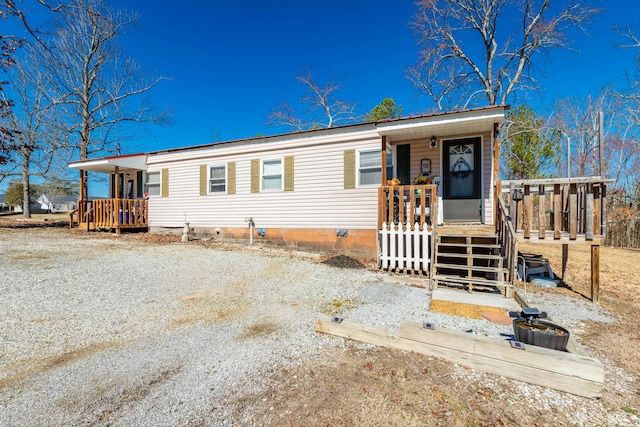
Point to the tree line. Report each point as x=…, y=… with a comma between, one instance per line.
x=71, y=92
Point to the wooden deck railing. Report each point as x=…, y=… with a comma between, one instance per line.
x=557, y=209
x=508, y=239
x=407, y=205
x=111, y=213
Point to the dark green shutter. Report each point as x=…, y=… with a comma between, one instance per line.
x=139, y=184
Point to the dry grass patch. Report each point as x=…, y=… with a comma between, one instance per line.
x=260, y=329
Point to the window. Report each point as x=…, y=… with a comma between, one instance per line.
x=272, y=175
x=369, y=168
x=217, y=179
x=390, y=165
x=153, y=183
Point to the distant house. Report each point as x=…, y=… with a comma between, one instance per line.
x=3, y=205
x=58, y=203
x=65, y=203
x=43, y=203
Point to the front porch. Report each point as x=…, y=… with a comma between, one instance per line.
x=414, y=239
x=127, y=207
x=111, y=214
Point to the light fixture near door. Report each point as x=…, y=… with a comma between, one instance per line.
x=434, y=142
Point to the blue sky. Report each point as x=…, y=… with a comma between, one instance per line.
x=231, y=62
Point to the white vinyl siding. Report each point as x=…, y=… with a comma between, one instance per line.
x=217, y=179
x=153, y=183
x=318, y=201
x=487, y=182
x=369, y=168
x=321, y=199
x=272, y=175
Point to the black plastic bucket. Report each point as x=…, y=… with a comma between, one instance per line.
x=541, y=333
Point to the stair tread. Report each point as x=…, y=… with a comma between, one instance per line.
x=472, y=245
x=471, y=267
x=477, y=256
x=472, y=280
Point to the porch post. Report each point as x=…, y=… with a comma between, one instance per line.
x=595, y=274
x=565, y=260
x=384, y=160
x=82, y=185
x=496, y=168
x=116, y=183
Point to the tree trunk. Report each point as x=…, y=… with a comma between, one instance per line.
x=26, y=200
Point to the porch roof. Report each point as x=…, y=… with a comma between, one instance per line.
x=479, y=120
x=109, y=164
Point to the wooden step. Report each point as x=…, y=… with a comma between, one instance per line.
x=466, y=229
x=478, y=268
x=472, y=280
x=475, y=256
x=469, y=245
x=463, y=239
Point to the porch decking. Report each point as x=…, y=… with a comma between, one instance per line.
x=112, y=214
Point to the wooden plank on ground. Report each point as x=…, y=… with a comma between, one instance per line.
x=540, y=358
x=480, y=353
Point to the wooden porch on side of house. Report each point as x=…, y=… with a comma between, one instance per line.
x=112, y=214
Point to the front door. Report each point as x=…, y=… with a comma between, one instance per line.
x=461, y=180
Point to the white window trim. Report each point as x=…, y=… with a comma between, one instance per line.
x=358, y=168
x=262, y=162
x=158, y=184
x=226, y=179
x=391, y=152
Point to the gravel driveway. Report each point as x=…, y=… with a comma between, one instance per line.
x=99, y=330
x=109, y=331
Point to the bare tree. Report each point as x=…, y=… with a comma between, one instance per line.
x=472, y=51
x=103, y=92
x=324, y=111
x=628, y=142
x=37, y=127
x=8, y=45
x=577, y=120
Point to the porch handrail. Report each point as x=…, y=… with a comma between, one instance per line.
x=558, y=208
x=71, y=214
x=407, y=205
x=508, y=239
x=120, y=213
x=111, y=213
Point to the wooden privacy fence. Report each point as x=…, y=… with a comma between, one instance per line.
x=558, y=209
x=406, y=225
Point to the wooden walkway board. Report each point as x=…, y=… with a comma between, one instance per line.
x=575, y=374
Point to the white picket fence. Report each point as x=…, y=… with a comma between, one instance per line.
x=405, y=249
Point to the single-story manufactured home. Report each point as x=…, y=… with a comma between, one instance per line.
x=420, y=194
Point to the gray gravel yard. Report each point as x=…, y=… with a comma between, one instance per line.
x=103, y=331
x=109, y=331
